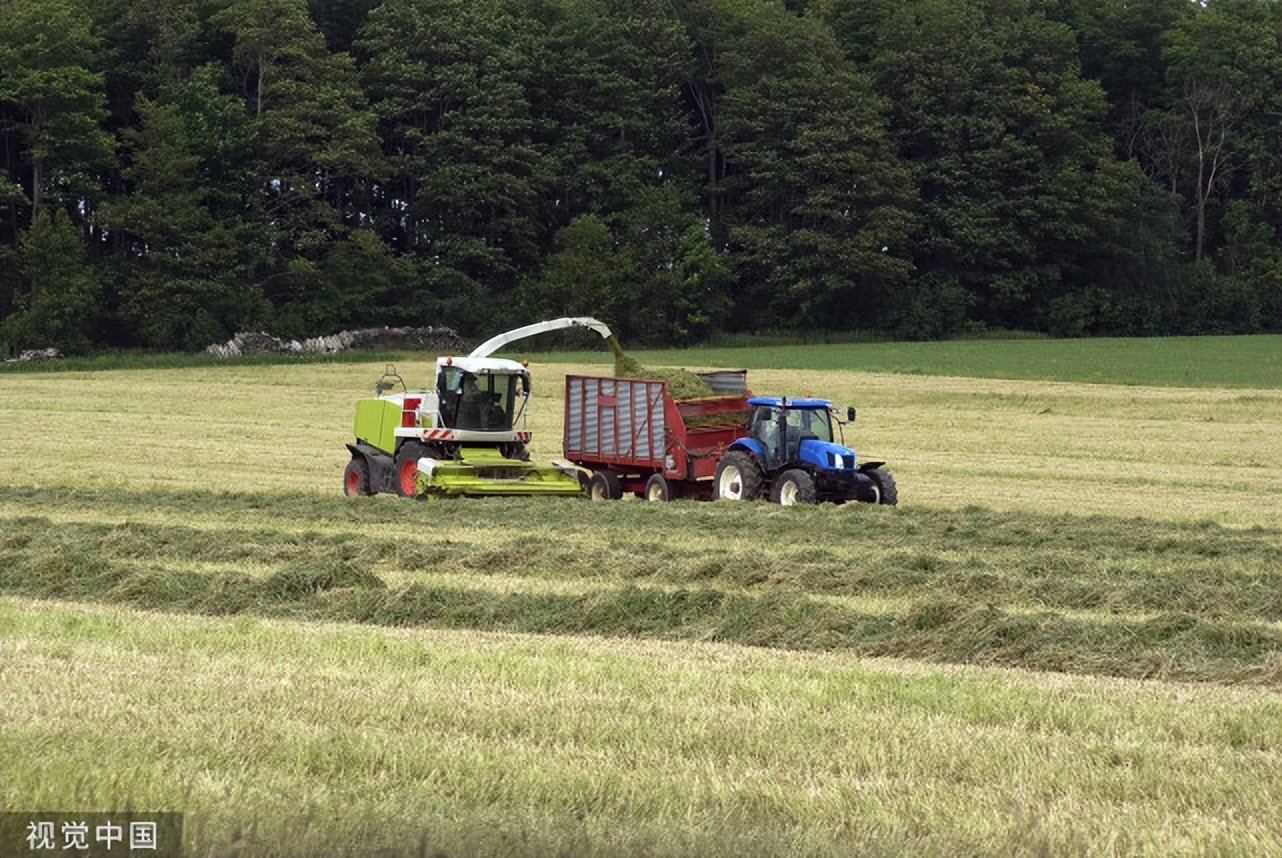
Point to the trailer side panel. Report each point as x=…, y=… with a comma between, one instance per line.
x=615, y=420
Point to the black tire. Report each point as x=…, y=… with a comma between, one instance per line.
x=405, y=468
x=515, y=450
x=738, y=477
x=657, y=488
x=604, y=486
x=356, y=478
x=793, y=486
x=887, y=492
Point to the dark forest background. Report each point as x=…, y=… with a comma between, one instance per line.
x=177, y=170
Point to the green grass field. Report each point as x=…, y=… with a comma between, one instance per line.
x=1066, y=640
x=1212, y=361
x=1209, y=361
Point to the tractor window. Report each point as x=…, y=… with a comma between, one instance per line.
x=763, y=426
x=811, y=423
x=805, y=423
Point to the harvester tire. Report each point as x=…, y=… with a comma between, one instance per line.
x=515, y=450
x=793, y=486
x=604, y=486
x=657, y=488
x=405, y=468
x=887, y=492
x=356, y=478
x=738, y=477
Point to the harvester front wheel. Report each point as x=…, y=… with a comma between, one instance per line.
x=738, y=477
x=406, y=468
x=356, y=478
x=604, y=486
x=515, y=450
x=793, y=486
x=887, y=492
x=657, y=488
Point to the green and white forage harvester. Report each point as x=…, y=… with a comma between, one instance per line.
x=466, y=436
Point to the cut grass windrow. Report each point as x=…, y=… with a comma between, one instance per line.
x=1091, y=595
x=282, y=739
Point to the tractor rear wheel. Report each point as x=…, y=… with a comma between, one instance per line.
x=405, y=468
x=356, y=478
x=604, y=486
x=738, y=477
x=887, y=492
x=658, y=488
x=793, y=486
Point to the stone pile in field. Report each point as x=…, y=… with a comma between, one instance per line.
x=35, y=354
x=440, y=340
x=682, y=384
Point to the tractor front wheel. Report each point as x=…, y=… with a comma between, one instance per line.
x=405, y=468
x=887, y=492
x=356, y=478
x=738, y=477
x=792, y=487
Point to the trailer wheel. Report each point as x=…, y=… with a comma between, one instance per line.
x=658, y=488
x=356, y=478
x=793, y=486
x=604, y=486
x=887, y=492
x=738, y=477
x=406, y=468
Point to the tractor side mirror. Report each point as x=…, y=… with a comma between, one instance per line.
x=850, y=414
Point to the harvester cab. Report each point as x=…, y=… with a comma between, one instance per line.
x=481, y=395
x=465, y=436
x=791, y=455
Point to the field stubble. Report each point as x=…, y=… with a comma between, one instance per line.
x=1082, y=529
x=1019, y=445
x=285, y=739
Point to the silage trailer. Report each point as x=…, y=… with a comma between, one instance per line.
x=636, y=438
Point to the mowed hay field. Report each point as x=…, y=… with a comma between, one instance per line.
x=1067, y=639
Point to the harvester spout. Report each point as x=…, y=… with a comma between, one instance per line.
x=496, y=342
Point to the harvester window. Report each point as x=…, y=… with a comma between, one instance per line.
x=451, y=380
x=471, y=404
x=484, y=402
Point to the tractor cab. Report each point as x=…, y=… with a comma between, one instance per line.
x=482, y=395
x=790, y=430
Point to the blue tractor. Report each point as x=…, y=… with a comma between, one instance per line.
x=791, y=456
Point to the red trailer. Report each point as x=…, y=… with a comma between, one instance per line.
x=636, y=438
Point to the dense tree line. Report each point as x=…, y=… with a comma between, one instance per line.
x=177, y=171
